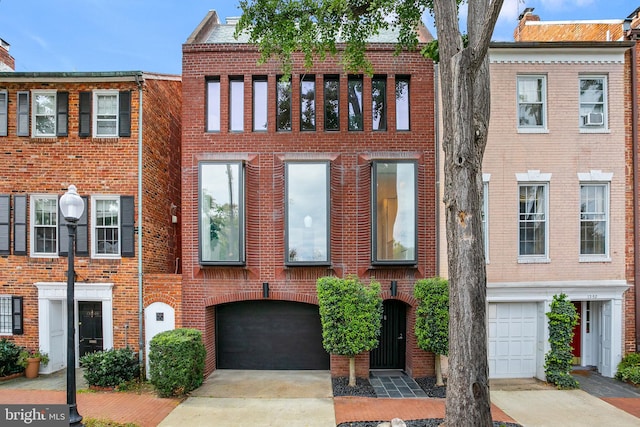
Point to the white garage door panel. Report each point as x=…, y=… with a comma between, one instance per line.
x=512, y=338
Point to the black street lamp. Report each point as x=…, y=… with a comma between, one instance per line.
x=72, y=207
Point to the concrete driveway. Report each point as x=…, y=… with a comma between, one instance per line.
x=258, y=398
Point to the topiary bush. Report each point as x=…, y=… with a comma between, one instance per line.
x=629, y=369
x=9, y=358
x=176, y=361
x=110, y=368
x=557, y=362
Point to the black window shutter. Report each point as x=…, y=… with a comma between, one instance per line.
x=22, y=126
x=127, y=228
x=124, y=123
x=16, y=316
x=82, y=237
x=19, y=225
x=84, y=127
x=62, y=124
x=5, y=226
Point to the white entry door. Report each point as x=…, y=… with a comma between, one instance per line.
x=58, y=343
x=512, y=340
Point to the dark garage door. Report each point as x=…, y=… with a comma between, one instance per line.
x=269, y=335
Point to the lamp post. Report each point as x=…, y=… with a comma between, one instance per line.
x=72, y=207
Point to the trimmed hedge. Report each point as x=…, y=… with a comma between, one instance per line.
x=176, y=361
x=629, y=369
x=110, y=368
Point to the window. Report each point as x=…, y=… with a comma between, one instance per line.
x=105, y=119
x=355, y=102
x=532, y=97
x=105, y=220
x=283, y=107
x=44, y=113
x=307, y=212
x=593, y=103
x=236, y=105
x=221, y=213
x=533, y=220
x=379, y=102
x=213, y=105
x=402, y=103
x=260, y=104
x=485, y=214
x=394, y=212
x=308, y=103
x=331, y=103
x=11, y=315
x=594, y=219
x=44, y=225
x=3, y=113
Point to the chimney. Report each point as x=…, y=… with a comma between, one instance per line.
x=526, y=15
x=7, y=63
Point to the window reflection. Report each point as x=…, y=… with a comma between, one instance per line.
x=395, y=211
x=355, y=103
x=402, y=103
x=260, y=105
x=308, y=104
x=213, y=105
x=307, y=212
x=236, y=107
x=283, y=108
x=379, y=103
x=331, y=103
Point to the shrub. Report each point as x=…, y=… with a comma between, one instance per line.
x=176, y=361
x=629, y=369
x=557, y=362
x=110, y=368
x=10, y=358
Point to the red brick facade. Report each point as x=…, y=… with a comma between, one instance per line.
x=350, y=155
x=98, y=166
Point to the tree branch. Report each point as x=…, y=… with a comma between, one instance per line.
x=482, y=46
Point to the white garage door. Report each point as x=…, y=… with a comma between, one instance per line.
x=512, y=340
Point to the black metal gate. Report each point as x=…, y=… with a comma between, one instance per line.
x=390, y=353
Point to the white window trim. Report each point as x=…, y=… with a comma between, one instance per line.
x=32, y=223
x=605, y=108
x=533, y=129
x=213, y=105
x=486, y=178
x=534, y=177
x=595, y=177
x=93, y=239
x=34, y=94
x=94, y=112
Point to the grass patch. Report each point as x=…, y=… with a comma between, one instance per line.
x=92, y=422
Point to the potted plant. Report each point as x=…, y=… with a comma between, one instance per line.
x=30, y=360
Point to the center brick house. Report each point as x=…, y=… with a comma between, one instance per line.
x=284, y=182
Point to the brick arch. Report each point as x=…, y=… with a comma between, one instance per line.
x=160, y=297
x=401, y=296
x=257, y=295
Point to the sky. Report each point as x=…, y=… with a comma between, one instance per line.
x=147, y=35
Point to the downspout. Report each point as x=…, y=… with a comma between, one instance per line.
x=436, y=128
x=140, y=228
x=636, y=214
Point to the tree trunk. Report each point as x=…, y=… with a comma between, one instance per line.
x=439, y=381
x=465, y=108
x=352, y=371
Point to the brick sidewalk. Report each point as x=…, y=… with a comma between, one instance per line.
x=145, y=410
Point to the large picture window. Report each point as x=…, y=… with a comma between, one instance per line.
x=307, y=212
x=394, y=212
x=594, y=219
x=221, y=213
x=533, y=220
x=44, y=226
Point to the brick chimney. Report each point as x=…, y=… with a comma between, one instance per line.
x=7, y=63
x=526, y=15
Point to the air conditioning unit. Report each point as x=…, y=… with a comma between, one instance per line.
x=594, y=119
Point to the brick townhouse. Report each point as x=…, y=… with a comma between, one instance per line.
x=284, y=182
x=532, y=29
x=116, y=137
x=554, y=174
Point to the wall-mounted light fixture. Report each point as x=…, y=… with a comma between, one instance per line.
x=394, y=288
x=265, y=289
